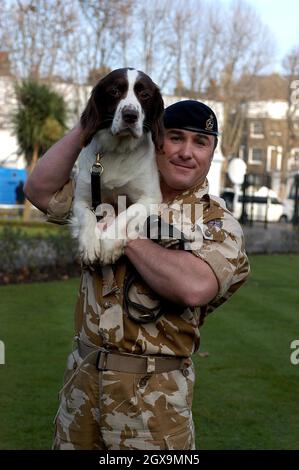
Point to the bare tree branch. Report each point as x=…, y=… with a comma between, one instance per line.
x=290, y=65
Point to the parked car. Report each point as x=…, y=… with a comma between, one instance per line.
x=257, y=204
x=289, y=201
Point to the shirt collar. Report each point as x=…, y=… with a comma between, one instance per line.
x=199, y=190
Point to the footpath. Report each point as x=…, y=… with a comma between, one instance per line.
x=275, y=238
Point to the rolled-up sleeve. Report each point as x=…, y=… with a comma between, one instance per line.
x=223, y=249
x=60, y=205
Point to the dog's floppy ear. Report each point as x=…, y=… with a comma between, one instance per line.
x=91, y=118
x=157, y=126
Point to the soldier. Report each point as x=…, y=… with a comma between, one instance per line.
x=129, y=379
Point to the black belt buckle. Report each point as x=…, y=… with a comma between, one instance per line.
x=101, y=361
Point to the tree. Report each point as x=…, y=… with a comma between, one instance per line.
x=180, y=21
x=247, y=48
x=203, y=48
x=39, y=121
x=291, y=68
x=36, y=34
x=156, y=41
x=95, y=75
x=107, y=30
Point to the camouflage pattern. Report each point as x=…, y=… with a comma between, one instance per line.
x=114, y=410
x=61, y=203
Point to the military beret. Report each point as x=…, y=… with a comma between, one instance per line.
x=191, y=115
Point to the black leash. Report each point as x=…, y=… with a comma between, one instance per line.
x=96, y=172
x=137, y=312
x=157, y=229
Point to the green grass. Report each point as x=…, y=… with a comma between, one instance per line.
x=32, y=228
x=36, y=327
x=246, y=394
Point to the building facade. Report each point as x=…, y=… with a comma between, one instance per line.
x=269, y=146
x=76, y=98
x=272, y=158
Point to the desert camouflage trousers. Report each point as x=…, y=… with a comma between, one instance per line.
x=108, y=410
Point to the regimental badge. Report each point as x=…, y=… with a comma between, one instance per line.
x=210, y=123
x=217, y=223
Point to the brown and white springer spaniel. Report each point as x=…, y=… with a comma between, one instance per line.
x=123, y=121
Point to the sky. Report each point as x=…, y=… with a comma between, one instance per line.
x=282, y=18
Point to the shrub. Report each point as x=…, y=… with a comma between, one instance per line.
x=25, y=257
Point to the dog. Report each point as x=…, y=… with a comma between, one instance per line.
x=123, y=122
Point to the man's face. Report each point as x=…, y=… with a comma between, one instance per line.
x=185, y=159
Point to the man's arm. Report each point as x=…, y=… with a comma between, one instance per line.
x=174, y=274
x=53, y=170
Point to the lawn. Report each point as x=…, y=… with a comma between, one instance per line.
x=246, y=395
x=41, y=229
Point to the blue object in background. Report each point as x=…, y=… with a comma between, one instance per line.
x=9, y=180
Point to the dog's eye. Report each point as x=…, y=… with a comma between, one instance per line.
x=144, y=95
x=115, y=92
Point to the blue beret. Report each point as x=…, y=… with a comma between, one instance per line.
x=191, y=115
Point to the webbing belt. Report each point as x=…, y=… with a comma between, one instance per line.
x=132, y=363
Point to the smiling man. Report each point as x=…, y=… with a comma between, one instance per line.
x=189, y=144
x=129, y=380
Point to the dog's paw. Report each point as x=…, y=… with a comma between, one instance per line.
x=89, y=240
x=111, y=251
x=89, y=248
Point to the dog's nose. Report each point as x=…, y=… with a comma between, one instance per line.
x=129, y=115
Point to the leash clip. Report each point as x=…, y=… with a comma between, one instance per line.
x=101, y=361
x=95, y=180
x=97, y=168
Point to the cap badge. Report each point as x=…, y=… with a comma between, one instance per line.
x=210, y=123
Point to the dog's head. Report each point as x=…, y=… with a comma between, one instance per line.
x=128, y=103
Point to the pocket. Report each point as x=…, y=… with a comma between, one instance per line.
x=70, y=371
x=182, y=440
x=119, y=387
x=189, y=375
x=184, y=383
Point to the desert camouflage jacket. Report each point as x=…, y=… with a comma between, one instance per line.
x=100, y=318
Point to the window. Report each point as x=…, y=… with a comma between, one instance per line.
x=274, y=158
x=296, y=128
x=293, y=163
x=275, y=133
x=256, y=155
x=295, y=154
x=256, y=129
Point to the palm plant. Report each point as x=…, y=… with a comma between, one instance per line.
x=39, y=121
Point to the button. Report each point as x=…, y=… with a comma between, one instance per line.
x=103, y=334
x=107, y=304
x=143, y=381
x=185, y=372
x=208, y=233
